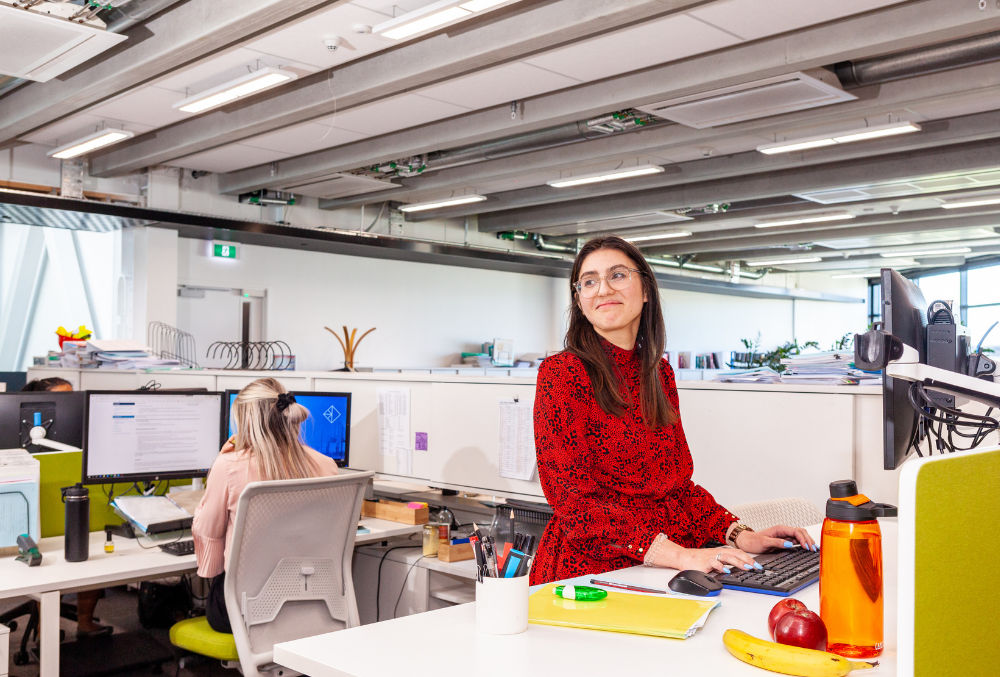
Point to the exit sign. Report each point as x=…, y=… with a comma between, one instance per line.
x=224, y=251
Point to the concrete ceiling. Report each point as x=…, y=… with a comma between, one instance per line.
x=541, y=65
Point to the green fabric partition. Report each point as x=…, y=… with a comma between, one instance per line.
x=956, y=597
x=64, y=469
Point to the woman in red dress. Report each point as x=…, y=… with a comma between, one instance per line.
x=612, y=457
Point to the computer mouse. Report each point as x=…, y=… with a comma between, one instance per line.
x=693, y=582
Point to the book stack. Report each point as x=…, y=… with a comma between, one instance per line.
x=828, y=368
x=757, y=375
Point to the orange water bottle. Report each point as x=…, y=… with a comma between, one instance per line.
x=850, y=572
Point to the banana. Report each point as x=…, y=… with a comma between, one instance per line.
x=789, y=660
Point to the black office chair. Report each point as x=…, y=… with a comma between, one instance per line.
x=30, y=609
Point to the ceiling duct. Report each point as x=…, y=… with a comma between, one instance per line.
x=337, y=185
x=752, y=100
x=970, y=51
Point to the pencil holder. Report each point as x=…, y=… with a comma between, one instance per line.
x=502, y=605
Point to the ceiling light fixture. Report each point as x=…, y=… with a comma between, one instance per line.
x=840, y=216
x=423, y=206
x=854, y=275
x=931, y=252
x=658, y=236
x=971, y=201
x=105, y=137
x=434, y=16
x=626, y=173
x=863, y=134
x=251, y=83
x=779, y=262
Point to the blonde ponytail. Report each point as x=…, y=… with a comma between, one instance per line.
x=268, y=428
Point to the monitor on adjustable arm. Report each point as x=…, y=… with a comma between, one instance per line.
x=150, y=436
x=42, y=421
x=928, y=373
x=328, y=428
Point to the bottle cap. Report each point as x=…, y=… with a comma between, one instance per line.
x=847, y=505
x=843, y=489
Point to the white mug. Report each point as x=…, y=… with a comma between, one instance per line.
x=502, y=605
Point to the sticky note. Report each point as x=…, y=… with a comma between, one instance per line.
x=414, y=505
x=420, y=443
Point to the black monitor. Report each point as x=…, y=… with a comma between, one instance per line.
x=328, y=428
x=904, y=314
x=149, y=436
x=59, y=413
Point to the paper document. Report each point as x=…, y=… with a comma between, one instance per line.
x=517, y=440
x=144, y=511
x=394, y=426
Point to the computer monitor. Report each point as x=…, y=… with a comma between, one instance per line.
x=904, y=314
x=59, y=413
x=328, y=428
x=149, y=436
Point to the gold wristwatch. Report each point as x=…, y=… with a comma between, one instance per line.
x=737, y=530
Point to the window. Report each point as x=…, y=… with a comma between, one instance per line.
x=947, y=287
x=874, y=303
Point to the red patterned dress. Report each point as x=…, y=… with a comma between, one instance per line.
x=614, y=484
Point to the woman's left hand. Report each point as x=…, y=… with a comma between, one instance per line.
x=778, y=537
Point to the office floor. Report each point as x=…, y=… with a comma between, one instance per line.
x=119, y=609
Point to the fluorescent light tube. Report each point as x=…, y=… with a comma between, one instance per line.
x=863, y=134
x=778, y=262
x=658, y=236
x=799, y=145
x=878, y=132
x=853, y=275
x=971, y=201
x=105, y=137
x=248, y=84
x=627, y=173
x=930, y=252
x=423, y=206
x=434, y=16
x=805, y=219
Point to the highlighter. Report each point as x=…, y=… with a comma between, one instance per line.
x=580, y=592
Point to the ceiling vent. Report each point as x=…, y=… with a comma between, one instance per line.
x=42, y=42
x=616, y=223
x=752, y=100
x=922, y=186
x=333, y=186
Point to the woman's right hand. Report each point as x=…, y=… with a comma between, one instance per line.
x=714, y=559
x=707, y=560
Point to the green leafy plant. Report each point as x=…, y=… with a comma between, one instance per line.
x=773, y=358
x=844, y=342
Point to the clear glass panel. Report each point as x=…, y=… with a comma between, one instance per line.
x=980, y=320
x=984, y=286
x=947, y=287
x=875, y=304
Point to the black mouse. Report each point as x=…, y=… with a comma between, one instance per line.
x=693, y=582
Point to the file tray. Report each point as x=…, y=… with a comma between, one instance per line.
x=670, y=617
x=153, y=514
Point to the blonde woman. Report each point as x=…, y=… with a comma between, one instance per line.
x=267, y=446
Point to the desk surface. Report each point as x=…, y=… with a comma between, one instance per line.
x=129, y=562
x=548, y=650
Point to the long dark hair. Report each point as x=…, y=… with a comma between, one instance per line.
x=582, y=340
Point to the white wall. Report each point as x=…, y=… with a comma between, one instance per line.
x=425, y=314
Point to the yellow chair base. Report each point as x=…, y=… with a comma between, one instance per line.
x=197, y=636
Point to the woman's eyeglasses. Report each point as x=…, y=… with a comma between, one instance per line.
x=618, y=279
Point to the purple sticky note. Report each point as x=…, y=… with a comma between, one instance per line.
x=421, y=442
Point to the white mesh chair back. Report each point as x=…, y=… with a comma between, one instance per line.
x=795, y=512
x=289, y=573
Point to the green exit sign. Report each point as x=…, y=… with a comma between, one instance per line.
x=224, y=251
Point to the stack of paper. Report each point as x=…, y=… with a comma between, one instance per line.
x=758, y=375
x=146, y=512
x=827, y=368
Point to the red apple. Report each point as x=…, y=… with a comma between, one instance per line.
x=801, y=628
x=779, y=610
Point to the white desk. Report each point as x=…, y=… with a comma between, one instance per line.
x=129, y=562
x=545, y=650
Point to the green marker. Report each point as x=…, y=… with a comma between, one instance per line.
x=582, y=593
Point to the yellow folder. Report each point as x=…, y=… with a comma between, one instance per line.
x=673, y=617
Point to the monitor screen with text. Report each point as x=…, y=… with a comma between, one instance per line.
x=134, y=436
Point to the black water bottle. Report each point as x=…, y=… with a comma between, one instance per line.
x=77, y=500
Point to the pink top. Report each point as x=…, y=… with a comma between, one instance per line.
x=215, y=516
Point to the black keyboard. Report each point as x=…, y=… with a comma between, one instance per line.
x=179, y=548
x=784, y=574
